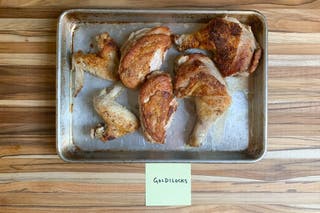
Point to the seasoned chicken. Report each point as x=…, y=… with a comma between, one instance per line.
x=118, y=120
x=235, y=50
x=197, y=77
x=104, y=64
x=157, y=105
x=142, y=53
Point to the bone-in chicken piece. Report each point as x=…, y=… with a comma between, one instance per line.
x=157, y=106
x=142, y=53
x=197, y=77
x=104, y=64
x=234, y=47
x=119, y=121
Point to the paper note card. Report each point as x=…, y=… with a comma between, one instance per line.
x=168, y=184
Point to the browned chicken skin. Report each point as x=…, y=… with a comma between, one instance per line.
x=119, y=121
x=104, y=64
x=234, y=47
x=142, y=53
x=197, y=77
x=157, y=106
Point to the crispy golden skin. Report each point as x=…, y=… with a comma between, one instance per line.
x=234, y=47
x=119, y=121
x=197, y=77
x=104, y=64
x=143, y=53
x=157, y=106
x=194, y=77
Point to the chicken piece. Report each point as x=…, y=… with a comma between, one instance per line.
x=104, y=64
x=119, y=121
x=235, y=50
x=142, y=53
x=197, y=77
x=157, y=105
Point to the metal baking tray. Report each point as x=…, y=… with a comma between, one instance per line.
x=240, y=136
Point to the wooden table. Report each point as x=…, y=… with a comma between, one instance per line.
x=33, y=178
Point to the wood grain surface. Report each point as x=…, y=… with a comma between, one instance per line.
x=34, y=179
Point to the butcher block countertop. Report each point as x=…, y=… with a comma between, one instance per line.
x=33, y=178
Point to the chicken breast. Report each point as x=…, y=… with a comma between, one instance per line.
x=157, y=105
x=119, y=121
x=198, y=78
x=104, y=64
x=235, y=49
x=142, y=53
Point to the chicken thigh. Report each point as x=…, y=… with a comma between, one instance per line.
x=157, y=105
x=234, y=47
x=197, y=77
x=118, y=120
x=142, y=53
x=103, y=65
